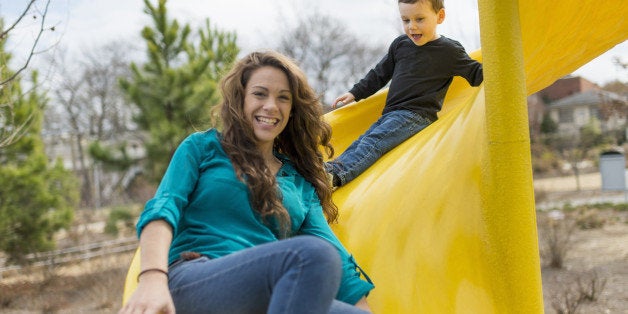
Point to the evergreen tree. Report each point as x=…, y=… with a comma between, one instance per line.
x=35, y=199
x=548, y=125
x=176, y=88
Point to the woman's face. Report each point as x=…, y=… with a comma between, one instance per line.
x=267, y=104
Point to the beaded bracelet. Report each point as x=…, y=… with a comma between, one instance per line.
x=151, y=269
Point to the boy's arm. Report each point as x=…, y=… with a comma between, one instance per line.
x=475, y=74
x=469, y=68
x=378, y=76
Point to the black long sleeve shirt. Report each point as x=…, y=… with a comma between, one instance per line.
x=419, y=75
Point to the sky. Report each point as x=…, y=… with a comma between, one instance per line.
x=81, y=25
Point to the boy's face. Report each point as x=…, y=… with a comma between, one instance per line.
x=419, y=21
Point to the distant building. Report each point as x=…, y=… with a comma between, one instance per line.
x=573, y=102
x=579, y=109
x=566, y=86
x=64, y=146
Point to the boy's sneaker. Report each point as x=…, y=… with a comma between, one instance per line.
x=333, y=181
x=330, y=179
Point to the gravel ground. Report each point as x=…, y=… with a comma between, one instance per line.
x=595, y=259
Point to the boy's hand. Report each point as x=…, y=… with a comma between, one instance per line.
x=342, y=100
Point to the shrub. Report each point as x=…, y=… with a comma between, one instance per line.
x=590, y=219
x=118, y=214
x=621, y=207
x=555, y=231
x=590, y=286
x=566, y=302
x=585, y=287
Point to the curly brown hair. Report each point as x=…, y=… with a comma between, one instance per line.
x=301, y=141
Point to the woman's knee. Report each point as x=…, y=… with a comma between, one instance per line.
x=319, y=251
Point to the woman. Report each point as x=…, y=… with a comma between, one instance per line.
x=239, y=223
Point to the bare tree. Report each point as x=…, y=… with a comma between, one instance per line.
x=103, y=68
x=37, y=13
x=332, y=58
x=10, y=132
x=620, y=64
x=68, y=97
x=613, y=112
x=88, y=106
x=111, y=116
x=617, y=87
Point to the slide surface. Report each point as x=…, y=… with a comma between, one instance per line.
x=426, y=222
x=436, y=225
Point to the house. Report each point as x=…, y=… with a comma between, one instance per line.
x=573, y=102
x=63, y=146
x=577, y=110
x=566, y=86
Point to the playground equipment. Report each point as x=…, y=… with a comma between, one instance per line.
x=445, y=223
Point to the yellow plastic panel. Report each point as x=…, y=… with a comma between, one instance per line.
x=130, y=282
x=412, y=221
x=561, y=36
x=445, y=223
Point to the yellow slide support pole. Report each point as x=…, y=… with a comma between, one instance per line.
x=508, y=194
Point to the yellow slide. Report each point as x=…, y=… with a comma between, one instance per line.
x=445, y=223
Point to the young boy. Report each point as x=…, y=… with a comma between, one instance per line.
x=420, y=66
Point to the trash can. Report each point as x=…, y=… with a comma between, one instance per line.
x=613, y=171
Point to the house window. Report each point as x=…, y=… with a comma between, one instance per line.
x=565, y=115
x=581, y=116
x=595, y=112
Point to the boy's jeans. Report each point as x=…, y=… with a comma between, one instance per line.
x=390, y=130
x=297, y=275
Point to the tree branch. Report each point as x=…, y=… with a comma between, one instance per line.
x=32, y=52
x=5, y=32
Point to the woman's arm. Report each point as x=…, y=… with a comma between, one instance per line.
x=152, y=294
x=352, y=287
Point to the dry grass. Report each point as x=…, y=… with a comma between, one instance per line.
x=593, y=275
x=93, y=286
x=89, y=286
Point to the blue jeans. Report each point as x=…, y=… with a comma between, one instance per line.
x=390, y=130
x=297, y=275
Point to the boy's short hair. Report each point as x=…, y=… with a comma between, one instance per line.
x=436, y=4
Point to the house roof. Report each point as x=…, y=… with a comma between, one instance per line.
x=587, y=98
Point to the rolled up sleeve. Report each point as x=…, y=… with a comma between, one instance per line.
x=176, y=185
x=352, y=286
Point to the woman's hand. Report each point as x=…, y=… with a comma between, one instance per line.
x=151, y=296
x=363, y=305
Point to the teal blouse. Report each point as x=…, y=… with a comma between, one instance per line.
x=210, y=213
